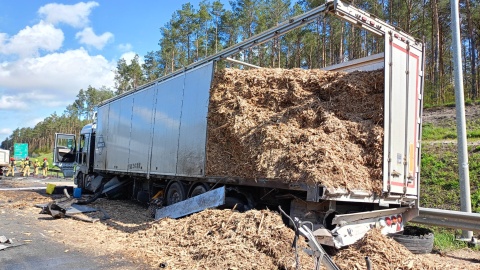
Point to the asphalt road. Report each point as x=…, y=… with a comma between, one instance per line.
x=32, y=248
x=36, y=251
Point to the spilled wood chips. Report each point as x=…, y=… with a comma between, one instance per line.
x=301, y=125
x=212, y=239
x=221, y=239
x=383, y=252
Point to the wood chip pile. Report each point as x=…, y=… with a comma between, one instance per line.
x=220, y=239
x=384, y=253
x=213, y=239
x=297, y=125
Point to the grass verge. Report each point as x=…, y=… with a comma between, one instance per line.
x=447, y=239
x=440, y=184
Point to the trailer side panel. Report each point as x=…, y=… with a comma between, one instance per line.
x=169, y=117
x=167, y=126
x=193, y=127
x=140, y=135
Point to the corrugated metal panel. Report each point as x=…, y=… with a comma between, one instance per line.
x=118, y=139
x=140, y=136
x=193, y=127
x=167, y=126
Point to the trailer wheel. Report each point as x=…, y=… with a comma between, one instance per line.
x=416, y=239
x=175, y=193
x=198, y=189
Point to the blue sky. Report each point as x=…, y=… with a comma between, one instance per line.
x=49, y=50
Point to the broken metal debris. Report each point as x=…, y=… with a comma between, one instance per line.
x=67, y=207
x=209, y=199
x=5, y=240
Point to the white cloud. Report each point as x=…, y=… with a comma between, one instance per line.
x=123, y=47
x=4, y=132
x=28, y=41
x=128, y=56
x=12, y=102
x=38, y=76
x=88, y=37
x=74, y=15
x=54, y=79
x=34, y=121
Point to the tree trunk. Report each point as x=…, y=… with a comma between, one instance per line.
x=473, y=64
x=436, y=56
x=324, y=47
x=342, y=34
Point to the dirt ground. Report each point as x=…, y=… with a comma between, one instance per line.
x=212, y=239
x=441, y=116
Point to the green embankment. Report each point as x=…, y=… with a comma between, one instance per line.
x=440, y=185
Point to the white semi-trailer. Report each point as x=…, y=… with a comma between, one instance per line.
x=152, y=141
x=4, y=160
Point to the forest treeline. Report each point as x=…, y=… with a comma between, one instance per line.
x=195, y=32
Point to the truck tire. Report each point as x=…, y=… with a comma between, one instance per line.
x=416, y=239
x=80, y=181
x=175, y=193
x=198, y=189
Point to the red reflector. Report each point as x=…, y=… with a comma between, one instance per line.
x=372, y=23
x=364, y=19
x=399, y=218
x=388, y=221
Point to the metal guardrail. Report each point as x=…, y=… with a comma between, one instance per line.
x=448, y=219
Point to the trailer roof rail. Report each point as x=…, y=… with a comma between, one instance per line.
x=340, y=9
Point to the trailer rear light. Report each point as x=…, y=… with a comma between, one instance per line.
x=399, y=218
x=388, y=221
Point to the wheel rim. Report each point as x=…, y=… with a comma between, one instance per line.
x=174, y=197
x=175, y=193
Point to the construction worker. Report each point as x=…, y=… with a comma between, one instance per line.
x=45, y=167
x=26, y=170
x=11, y=167
x=36, y=165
